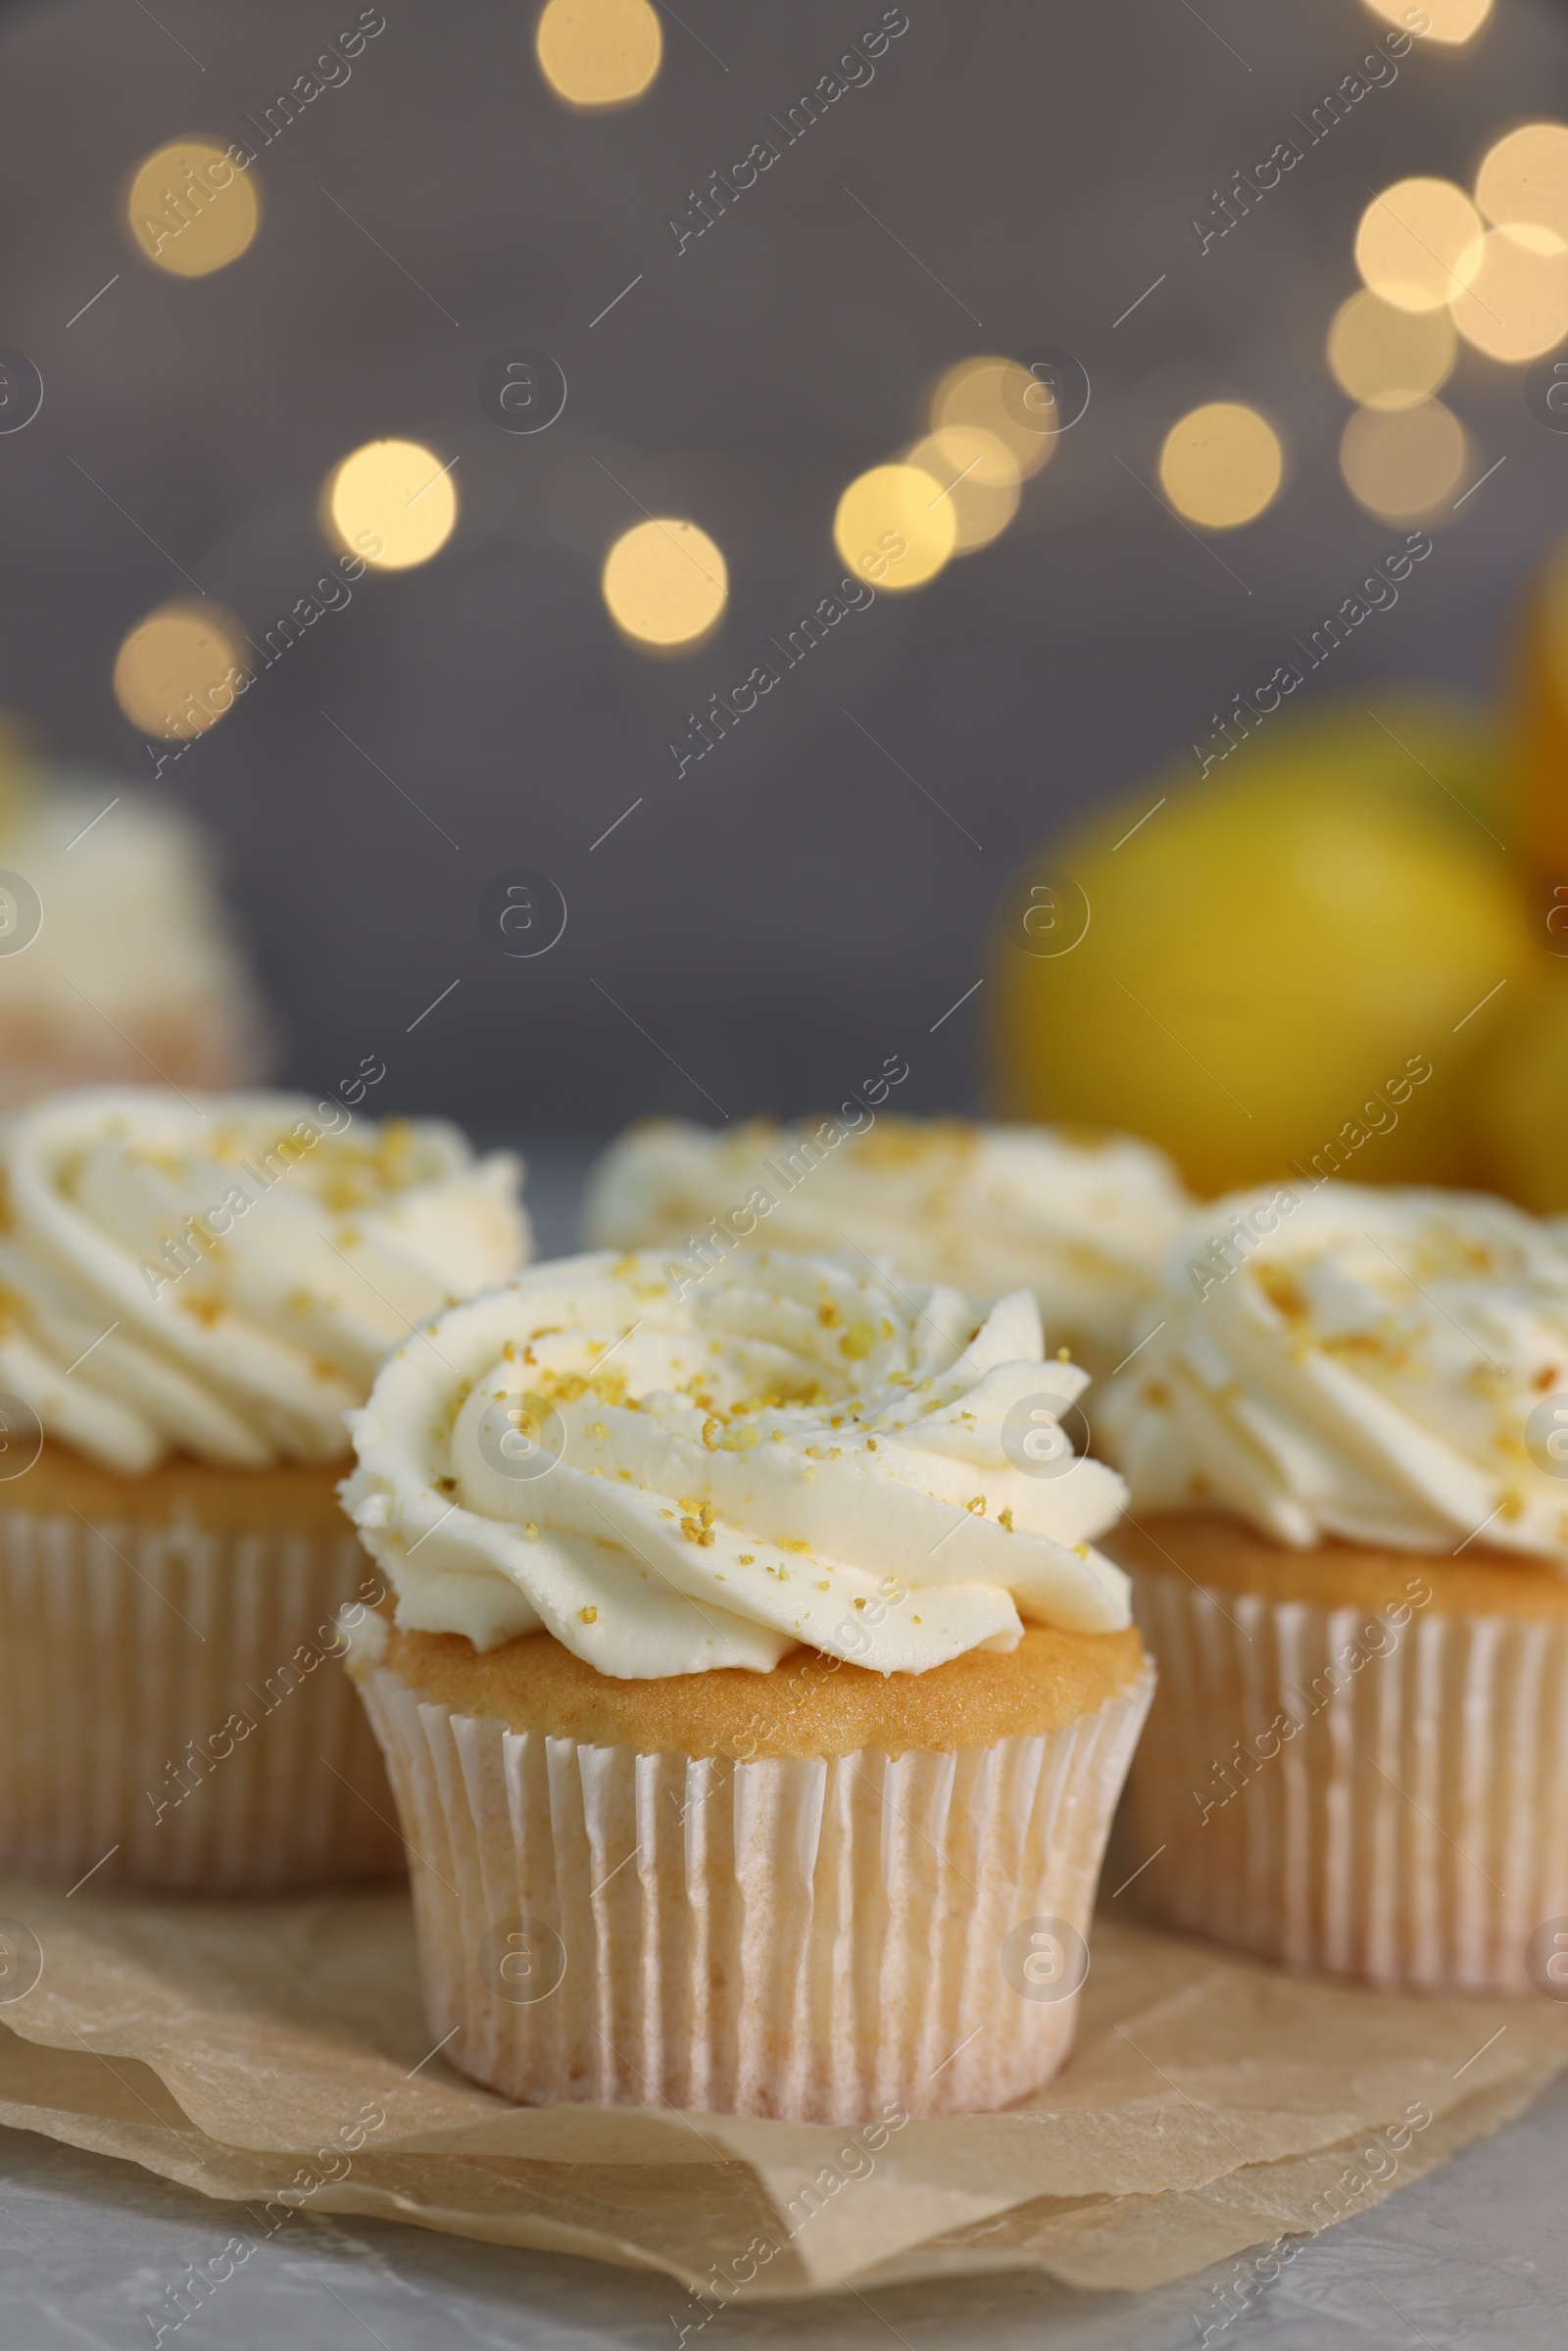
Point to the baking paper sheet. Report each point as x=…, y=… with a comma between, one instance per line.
x=276, y=2055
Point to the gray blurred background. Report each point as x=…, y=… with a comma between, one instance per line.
x=762, y=932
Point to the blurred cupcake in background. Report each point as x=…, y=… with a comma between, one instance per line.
x=756, y=1701
x=117, y=963
x=1347, y=1446
x=192, y=1294
x=1081, y=1221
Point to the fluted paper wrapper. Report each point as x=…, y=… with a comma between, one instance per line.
x=1410, y=1829
x=172, y=1710
x=274, y=2056
x=817, y=1941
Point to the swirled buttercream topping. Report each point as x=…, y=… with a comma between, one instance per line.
x=134, y=943
x=1386, y=1365
x=793, y=1449
x=222, y=1275
x=1081, y=1223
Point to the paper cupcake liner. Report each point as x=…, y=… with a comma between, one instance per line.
x=1403, y=1819
x=824, y=1940
x=173, y=1711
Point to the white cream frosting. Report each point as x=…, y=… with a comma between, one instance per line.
x=221, y=1276
x=989, y=1209
x=136, y=954
x=1357, y=1362
x=795, y=1450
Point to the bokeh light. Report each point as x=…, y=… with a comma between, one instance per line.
x=1412, y=240
x=993, y=393
x=1513, y=303
x=178, y=669
x=1389, y=357
x=391, y=502
x=599, y=53
x=666, y=583
x=981, y=474
x=1221, y=465
x=897, y=525
x=191, y=209
x=1450, y=21
x=1525, y=177
x=1403, y=463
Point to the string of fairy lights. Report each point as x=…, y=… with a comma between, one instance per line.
x=1441, y=267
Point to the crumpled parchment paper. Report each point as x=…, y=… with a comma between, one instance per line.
x=276, y=2055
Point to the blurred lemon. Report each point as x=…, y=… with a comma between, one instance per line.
x=1538, y=740
x=1521, y=1095
x=1521, y=1103
x=1252, y=970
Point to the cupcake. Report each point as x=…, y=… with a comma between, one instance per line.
x=192, y=1294
x=755, y=1700
x=115, y=964
x=1080, y=1221
x=1347, y=1446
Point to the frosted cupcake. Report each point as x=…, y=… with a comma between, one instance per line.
x=755, y=1722
x=192, y=1294
x=1346, y=1444
x=1081, y=1223
x=117, y=963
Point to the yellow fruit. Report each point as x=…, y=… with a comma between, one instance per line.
x=1275, y=954
x=1521, y=1096
x=1520, y=1105
x=1538, y=747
